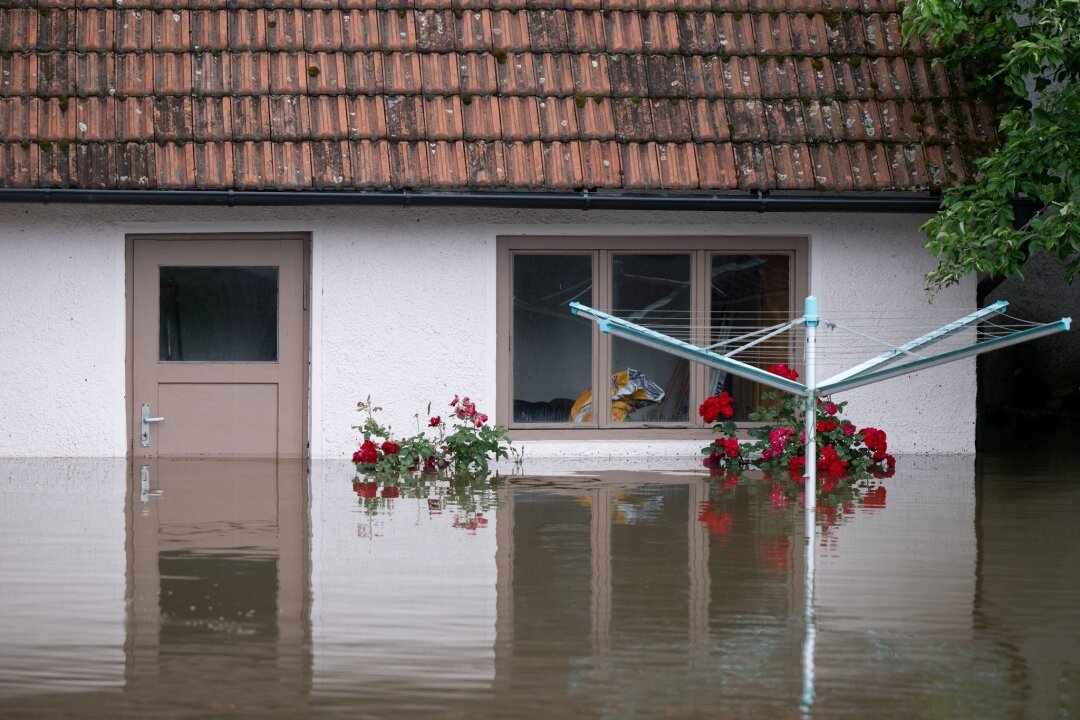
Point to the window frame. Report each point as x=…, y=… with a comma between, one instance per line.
x=601, y=248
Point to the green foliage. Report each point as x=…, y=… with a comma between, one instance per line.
x=1024, y=58
x=461, y=446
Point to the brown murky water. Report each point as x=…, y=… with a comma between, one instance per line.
x=263, y=589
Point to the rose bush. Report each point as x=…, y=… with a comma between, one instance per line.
x=845, y=454
x=464, y=445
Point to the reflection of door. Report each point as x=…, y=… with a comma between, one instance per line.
x=218, y=346
x=218, y=581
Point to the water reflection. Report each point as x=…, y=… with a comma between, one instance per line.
x=256, y=588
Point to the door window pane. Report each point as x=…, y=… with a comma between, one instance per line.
x=552, y=348
x=648, y=385
x=748, y=292
x=218, y=314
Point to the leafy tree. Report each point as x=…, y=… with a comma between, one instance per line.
x=1024, y=57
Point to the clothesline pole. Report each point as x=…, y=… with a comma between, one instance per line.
x=810, y=493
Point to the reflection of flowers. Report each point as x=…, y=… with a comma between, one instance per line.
x=717, y=523
x=838, y=501
x=466, y=497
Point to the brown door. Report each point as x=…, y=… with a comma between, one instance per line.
x=218, y=346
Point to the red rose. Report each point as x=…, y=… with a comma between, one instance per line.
x=829, y=409
x=875, y=440
x=848, y=429
x=390, y=448
x=825, y=426
x=434, y=422
x=367, y=453
x=783, y=371
x=716, y=406
x=730, y=446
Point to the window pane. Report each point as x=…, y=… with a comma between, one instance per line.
x=749, y=292
x=552, y=348
x=218, y=313
x=649, y=385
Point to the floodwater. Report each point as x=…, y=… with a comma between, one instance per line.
x=217, y=589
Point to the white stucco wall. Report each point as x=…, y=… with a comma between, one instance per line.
x=403, y=309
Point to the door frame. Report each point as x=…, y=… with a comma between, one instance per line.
x=129, y=315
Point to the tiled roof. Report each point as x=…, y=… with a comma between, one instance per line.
x=679, y=95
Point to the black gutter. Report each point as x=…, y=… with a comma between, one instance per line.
x=583, y=200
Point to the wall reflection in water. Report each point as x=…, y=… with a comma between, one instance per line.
x=258, y=587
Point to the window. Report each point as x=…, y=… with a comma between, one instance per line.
x=560, y=377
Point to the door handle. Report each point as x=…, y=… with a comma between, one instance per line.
x=144, y=437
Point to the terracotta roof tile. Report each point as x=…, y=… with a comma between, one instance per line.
x=18, y=165
x=869, y=167
x=56, y=74
x=402, y=73
x=596, y=119
x=517, y=76
x=405, y=118
x=640, y=166
x=473, y=31
x=134, y=119
x=485, y=164
x=94, y=30
x=408, y=164
x=477, y=73
x=628, y=75
x=678, y=166
x=135, y=166
x=134, y=74
x=95, y=165
x=741, y=78
x=747, y=118
x=601, y=165
x=547, y=31
x=364, y=73
x=442, y=118
x=716, y=166
x=698, y=34
x=56, y=166
x=671, y=120
x=360, y=30
x=562, y=165
x=292, y=166
x=480, y=118
x=251, y=119
x=708, y=121
x=172, y=31
x=172, y=118
x=18, y=29
x=436, y=30
x=779, y=78
x=585, y=32
x=792, y=167
x=755, y=166
x=134, y=31
x=370, y=164
x=660, y=33
x=56, y=119
x=634, y=94
x=285, y=30
x=524, y=163
x=288, y=73
x=520, y=117
x=252, y=162
x=366, y=117
x=325, y=73
x=737, y=33
x=623, y=32
x=322, y=31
